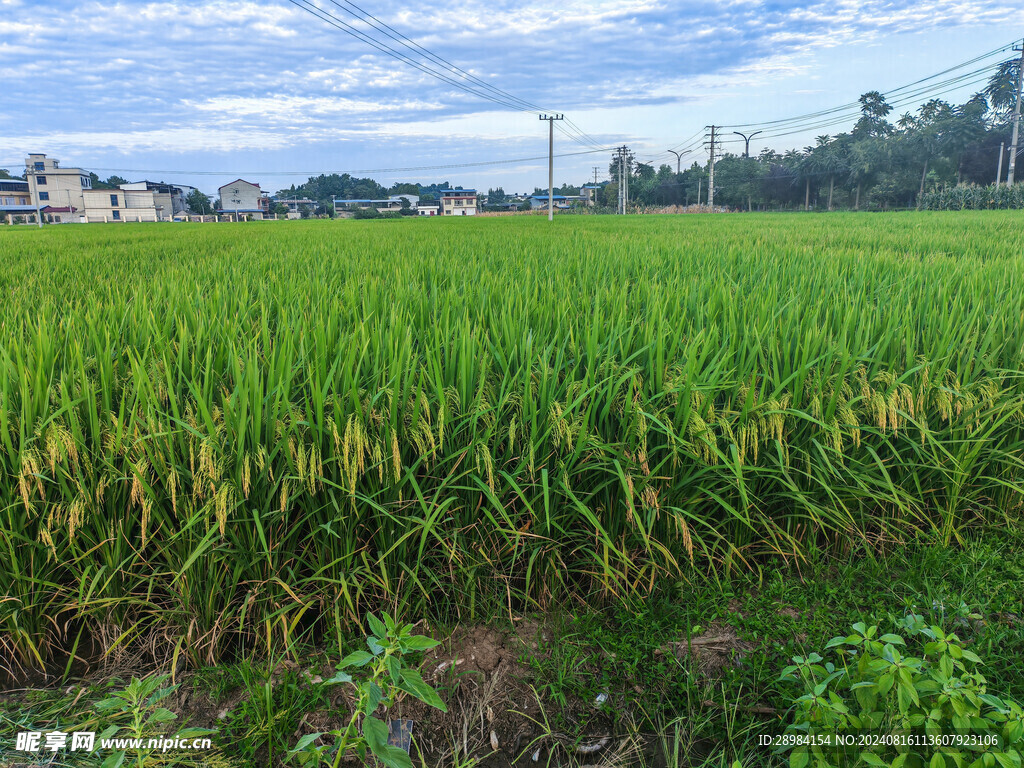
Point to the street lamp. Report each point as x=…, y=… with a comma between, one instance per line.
x=746, y=152
x=679, y=157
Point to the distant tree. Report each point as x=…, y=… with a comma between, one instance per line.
x=5, y=174
x=404, y=189
x=279, y=209
x=1001, y=90
x=873, y=110
x=116, y=181
x=198, y=203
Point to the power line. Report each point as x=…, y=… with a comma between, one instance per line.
x=890, y=93
x=476, y=87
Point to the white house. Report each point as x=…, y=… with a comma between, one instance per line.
x=110, y=205
x=243, y=199
x=428, y=208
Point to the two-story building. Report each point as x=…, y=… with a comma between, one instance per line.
x=110, y=205
x=16, y=201
x=244, y=200
x=458, y=202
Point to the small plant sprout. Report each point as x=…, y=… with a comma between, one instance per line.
x=378, y=677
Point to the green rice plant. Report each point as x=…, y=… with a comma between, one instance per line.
x=216, y=440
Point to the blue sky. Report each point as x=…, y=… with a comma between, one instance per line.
x=203, y=91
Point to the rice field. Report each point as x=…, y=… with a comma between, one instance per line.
x=217, y=437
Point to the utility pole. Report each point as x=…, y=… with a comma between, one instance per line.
x=999, y=168
x=1016, y=118
x=619, y=207
x=711, y=173
x=623, y=183
x=34, y=185
x=746, y=152
x=596, y=169
x=551, y=162
x=623, y=154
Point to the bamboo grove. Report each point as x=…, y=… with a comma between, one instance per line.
x=217, y=437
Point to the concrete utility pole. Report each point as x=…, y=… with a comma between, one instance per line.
x=1016, y=118
x=596, y=169
x=618, y=206
x=551, y=162
x=999, y=168
x=746, y=152
x=34, y=185
x=711, y=173
x=623, y=155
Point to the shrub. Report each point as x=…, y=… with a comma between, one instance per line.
x=874, y=689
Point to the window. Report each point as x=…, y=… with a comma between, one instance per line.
x=86, y=182
x=40, y=166
x=113, y=202
x=40, y=180
x=44, y=195
x=117, y=214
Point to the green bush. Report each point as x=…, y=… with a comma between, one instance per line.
x=933, y=706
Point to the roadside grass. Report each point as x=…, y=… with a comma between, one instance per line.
x=662, y=708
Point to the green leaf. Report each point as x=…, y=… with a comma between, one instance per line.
x=356, y=659
x=375, y=732
x=162, y=715
x=1008, y=759
x=799, y=758
x=394, y=669
x=377, y=626
x=894, y=639
x=305, y=741
x=340, y=677
x=871, y=758
x=413, y=683
x=421, y=643
x=374, y=695
x=937, y=761
x=114, y=760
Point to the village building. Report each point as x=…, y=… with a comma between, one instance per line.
x=458, y=202
x=244, y=200
x=110, y=205
x=51, y=185
x=16, y=201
